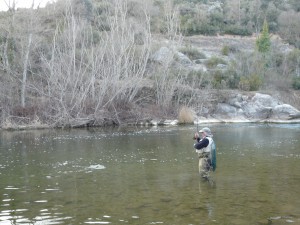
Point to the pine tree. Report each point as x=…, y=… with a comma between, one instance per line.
x=263, y=42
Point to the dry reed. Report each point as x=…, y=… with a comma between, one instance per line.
x=186, y=115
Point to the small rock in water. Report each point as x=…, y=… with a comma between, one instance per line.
x=96, y=167
x=275, y=218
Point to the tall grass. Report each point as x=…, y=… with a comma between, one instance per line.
x=186, y=115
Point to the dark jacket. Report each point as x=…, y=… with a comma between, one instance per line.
x=201, y=143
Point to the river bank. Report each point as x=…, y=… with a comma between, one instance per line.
x=193, y=73
x=217, y=107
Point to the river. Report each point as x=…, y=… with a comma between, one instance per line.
x=149, y=175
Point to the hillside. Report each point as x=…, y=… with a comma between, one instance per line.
x=214, y=44
x=212, y=47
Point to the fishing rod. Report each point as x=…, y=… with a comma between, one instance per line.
x=197, y=124
x=198, y=120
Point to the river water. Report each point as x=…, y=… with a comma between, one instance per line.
x=150, y=176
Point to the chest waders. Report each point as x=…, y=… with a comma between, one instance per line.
x=204, y=164
x=205, y=159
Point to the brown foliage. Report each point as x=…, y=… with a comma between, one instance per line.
x=186, y=115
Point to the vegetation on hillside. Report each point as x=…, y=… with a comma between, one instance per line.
x=91, y=62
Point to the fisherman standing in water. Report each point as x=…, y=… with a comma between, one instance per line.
x=206, y=149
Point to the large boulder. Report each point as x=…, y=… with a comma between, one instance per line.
x=264, y=100
x=166, y=55
x=226, y=111
x=183, y=59
x=284, y=111
x=253, y=110
x=163, y=56
x=259, y=107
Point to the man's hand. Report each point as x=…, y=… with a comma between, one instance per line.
x=196, y=136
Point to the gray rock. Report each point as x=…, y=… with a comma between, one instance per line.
x=284, y=111
x=264, y=113
x=221, y=66
x=224, y=110
x=265, y=100
x=235, y=102
x=199, y=68
x=261, y=106
x=163, y=56
x=183, y=59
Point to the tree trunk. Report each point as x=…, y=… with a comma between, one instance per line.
x=24, y=79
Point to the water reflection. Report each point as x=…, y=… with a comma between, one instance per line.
x=149, y=176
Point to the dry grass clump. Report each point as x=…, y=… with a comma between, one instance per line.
x=186, y=115
x=22, y=123
x=8, y=124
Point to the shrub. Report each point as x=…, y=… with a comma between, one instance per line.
x=225, y=50
x=296, y=83
x=214, y=61
x=255, y=82
x=219, y=80
x=198, y=79
x=250, y=83
x=186, y=115
x=232, y=78
x=193, y=26
x=293, y=60
x=244, y=84
x=237, y=30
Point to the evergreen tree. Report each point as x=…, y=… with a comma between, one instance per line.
x=263, y=42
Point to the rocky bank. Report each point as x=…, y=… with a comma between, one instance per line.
x=242, y=108
x=280, y=106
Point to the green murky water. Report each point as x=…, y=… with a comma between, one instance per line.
x=149, y=176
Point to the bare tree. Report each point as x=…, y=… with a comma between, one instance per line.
x=7, y=34
x=168, y=76
x=171, y=16
x=86, y=76
x=17, y=47
x=290, y=27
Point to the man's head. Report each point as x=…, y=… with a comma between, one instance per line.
x=205, y=131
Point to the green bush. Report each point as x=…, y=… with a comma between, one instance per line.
x=244, y=84
x=250, y=83
x=207, y=29
x=232, y=78
x=198, y=79
x=255, y=82
x=225, y=50
x=193, y=26
x=237, y=30
x=225, y=79
x=278, y=58
x=296, y=83
x=219, y=80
